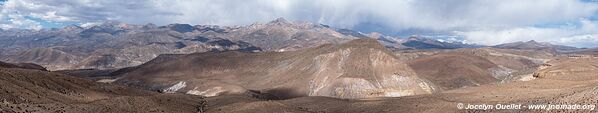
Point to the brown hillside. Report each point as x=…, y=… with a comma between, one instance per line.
x=27, y=90
x=357, y=69
x=473, y=67
x=573, y=69
x=537, y=92
x=44, y=56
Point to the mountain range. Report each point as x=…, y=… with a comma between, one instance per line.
x=533, y=45
x=116, y=45
x=278, y=66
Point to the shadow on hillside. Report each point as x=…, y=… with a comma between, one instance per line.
x=277, y=94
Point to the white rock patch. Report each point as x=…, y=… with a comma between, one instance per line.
x=208, y=93
x=426, y=87
x=175, y=87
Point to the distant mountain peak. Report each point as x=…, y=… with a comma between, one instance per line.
x=183, y=28
x=280, y=20
x=150, y=26
x=532, y=41
x=533, y=44
x=418, y=38
x=419, y=42
x=72, y=27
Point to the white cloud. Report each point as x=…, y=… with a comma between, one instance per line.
x=18, y=22
x=398, y=14
x=81, y=11
x=90, y=24
x=492, y=37
x=588, y=40
x=14, y=19
x=51, y=16
x=584, y=35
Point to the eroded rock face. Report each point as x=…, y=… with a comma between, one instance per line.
x=175, y=87
x=358, y=69
x=334, y=77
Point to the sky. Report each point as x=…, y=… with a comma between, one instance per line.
x=486, y=22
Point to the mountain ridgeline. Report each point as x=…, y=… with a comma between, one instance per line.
x=113, y=44
x=117, y=45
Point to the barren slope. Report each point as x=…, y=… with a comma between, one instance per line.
x=537, y=91
x=573, y=69
x=29, y=90
x=357, y=69
x=472, y=67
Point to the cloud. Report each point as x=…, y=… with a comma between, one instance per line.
x=80, y=11
x=398, y=14
x=583, y=34
x=13, y=19
x=587, y=40
x=506, y=18
x=438, y=15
